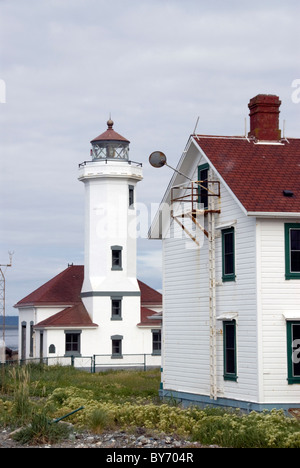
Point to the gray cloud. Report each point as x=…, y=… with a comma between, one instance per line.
x=156, y=66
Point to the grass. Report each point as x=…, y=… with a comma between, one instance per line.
x=45, y=379
x=34, y=396
x=42, y=431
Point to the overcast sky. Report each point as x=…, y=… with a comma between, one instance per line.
x=155, y=65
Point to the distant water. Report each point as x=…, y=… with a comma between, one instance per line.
x=11, y=338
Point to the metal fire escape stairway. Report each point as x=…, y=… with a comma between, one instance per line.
x=189, y=194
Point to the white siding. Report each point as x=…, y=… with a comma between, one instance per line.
x=186, y=312
x=34, y=315
x=136, y=340
x=240, y=297
x=278, y=297
x=186, y=360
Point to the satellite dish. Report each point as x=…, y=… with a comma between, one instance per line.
x=157, y=159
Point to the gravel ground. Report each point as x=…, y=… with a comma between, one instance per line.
x=113, y=439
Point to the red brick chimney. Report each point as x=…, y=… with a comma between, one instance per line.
x=264, y=117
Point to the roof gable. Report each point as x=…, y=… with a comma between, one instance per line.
x=63, y=289
x=149, y=295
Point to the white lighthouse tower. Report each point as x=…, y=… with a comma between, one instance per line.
x=99, y=310
x=110, y=290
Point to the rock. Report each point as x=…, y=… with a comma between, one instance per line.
x=110, y=439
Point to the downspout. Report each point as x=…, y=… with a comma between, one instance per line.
x=212, y=300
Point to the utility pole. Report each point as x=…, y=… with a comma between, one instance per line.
x=2, y=304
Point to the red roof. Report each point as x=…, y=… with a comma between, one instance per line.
x=257, y=172
x=145, y=320
x=75, y=316
x=149, y=295
x=110, y=134
x=65, y=289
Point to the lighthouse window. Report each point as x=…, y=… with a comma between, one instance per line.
x=116, y=341
x=116, y=252
x=116, y=308
x=131, y=196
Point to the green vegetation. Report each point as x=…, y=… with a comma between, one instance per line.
x=41, y=431
x=33, y=397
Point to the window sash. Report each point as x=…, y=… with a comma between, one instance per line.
x=295, y=250
x=116, y=309
x=116, y=258
x=228, y=255
x=131, y=196
x=116, y=347
x=31, y=339
x=202, y=191
x=292, y=251
x=229, y=349
x=293, y=351
x=72, y=345
x=156, y=342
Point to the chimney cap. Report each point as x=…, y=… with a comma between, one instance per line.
x=265, y=99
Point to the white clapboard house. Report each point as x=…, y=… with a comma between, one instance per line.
x=230, y=229
x=99, y=308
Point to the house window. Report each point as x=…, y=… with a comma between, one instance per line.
x=41, y=344
x=292, y=251
x=72, y=343
x=228, y=260
x=293, y=351
x=229, y=346
x=23, y=340
x=31, y=339
x=131, y=196
x=116, y=308
x=116, y=341
x=116, y=260
x=202, y=189
x=156, y=342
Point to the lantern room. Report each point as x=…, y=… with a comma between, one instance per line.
x=110, y=145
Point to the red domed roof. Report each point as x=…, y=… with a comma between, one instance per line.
x=110, y=134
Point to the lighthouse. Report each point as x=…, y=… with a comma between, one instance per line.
x=99, y=312
x=110, y=290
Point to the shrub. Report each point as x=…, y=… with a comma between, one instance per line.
x=209, y=426
x=99, y=419
x=269, y=429
x=6, y=409
x=42, y=431
x=125, y=400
